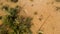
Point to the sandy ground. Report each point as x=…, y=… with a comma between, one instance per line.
x=46, y=11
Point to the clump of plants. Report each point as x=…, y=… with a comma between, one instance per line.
x=14, y=23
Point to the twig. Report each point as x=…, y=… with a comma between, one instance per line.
x=44, y=22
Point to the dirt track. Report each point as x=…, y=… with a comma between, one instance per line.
x=46, y=11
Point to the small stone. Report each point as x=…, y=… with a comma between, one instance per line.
x=0, y=17
x=31, y=0
x=57, y=0
x=40, y=32
x=35, y=13
x=57, y=8
x=5, y=7
x=14, y=1
x=40, y=19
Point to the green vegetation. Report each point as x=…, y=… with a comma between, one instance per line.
x=13, y=24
